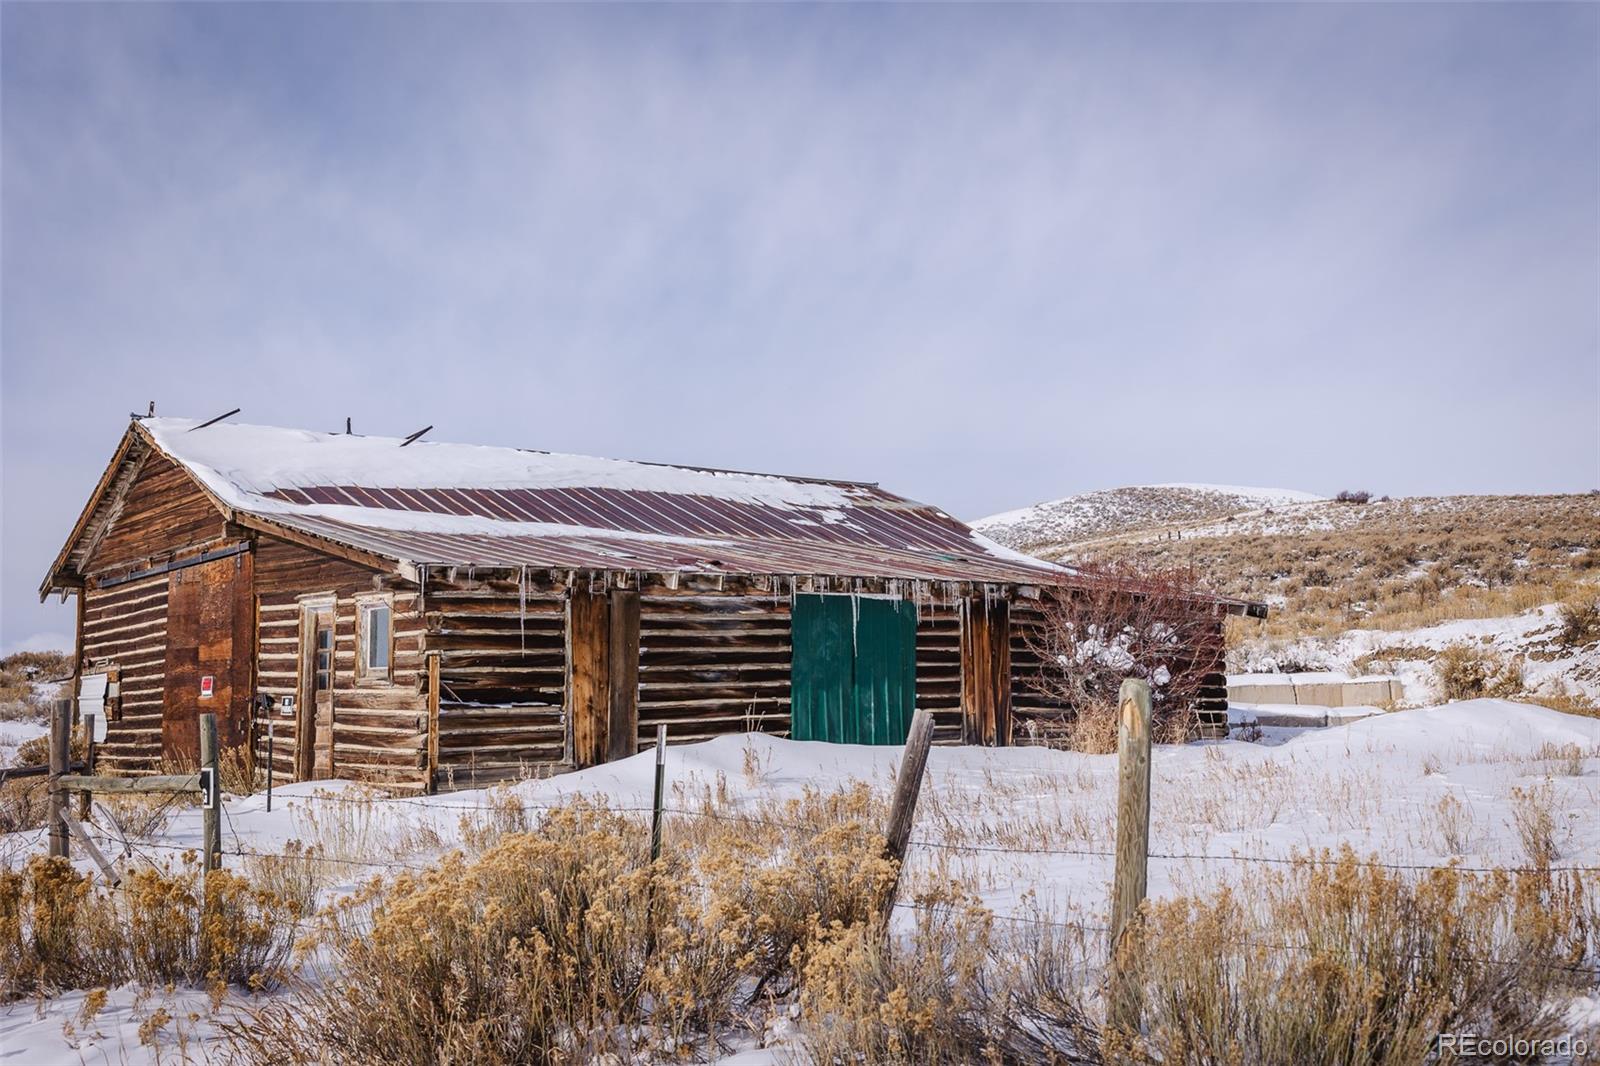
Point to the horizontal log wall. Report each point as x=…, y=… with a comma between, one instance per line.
x=939, y=668
x=502, y=680
x=379, y=727
x=162, y=515
x=713, y=665
x=1031, y=710
x=126, y=627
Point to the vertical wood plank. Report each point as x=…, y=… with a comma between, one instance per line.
x=305, y=711
x=986, y=671
x=433, y=721
x=588, y=703
x=330, y=737
x=623, y=682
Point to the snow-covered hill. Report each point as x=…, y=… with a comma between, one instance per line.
x=1110, y=512
x=1382, y=586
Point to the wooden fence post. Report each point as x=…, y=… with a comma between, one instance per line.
x=86, y=797
x=211, y=798
x=661, y=793
x=1133, y=843
x=907, y=786
x=60, y=756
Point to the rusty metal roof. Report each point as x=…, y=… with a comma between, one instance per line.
x=443, y=504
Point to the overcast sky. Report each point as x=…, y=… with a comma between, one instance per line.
x=983, y=255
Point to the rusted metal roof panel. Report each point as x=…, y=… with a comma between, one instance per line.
x=591, y=550
x=877, y=535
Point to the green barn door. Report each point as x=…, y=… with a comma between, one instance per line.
x=854, y=669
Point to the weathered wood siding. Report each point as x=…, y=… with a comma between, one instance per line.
x=502, y=681
x=210, y=639
x=1031, y=709
x=711, y=665
x=939, y=668
x=986, y=671
x=163, y=517
x=379, y=726
x=125, y=630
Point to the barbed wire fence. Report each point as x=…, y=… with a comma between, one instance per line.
x=503, y=804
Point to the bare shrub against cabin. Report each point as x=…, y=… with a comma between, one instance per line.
x=1120, y=622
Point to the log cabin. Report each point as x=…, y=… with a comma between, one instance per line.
x=428, y=616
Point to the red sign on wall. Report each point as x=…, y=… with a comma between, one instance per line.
x=208, y=685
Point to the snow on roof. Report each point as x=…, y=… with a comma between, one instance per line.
x=431, y=502
x=237, y=461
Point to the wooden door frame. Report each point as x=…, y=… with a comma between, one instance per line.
x=305, y=723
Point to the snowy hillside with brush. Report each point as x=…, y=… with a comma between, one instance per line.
x=1134, y=508
x=1458, y=595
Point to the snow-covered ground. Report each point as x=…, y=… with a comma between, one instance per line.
x=15, y=733
x=1027, y=828
x=1526, y=637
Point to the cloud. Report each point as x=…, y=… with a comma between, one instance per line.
x=984, y=256
x=61, y=642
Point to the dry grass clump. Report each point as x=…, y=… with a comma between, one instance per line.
x=1354, y=964
x=240, y=776
x=23, y=805
x=502, y=816
x=1469, y=672
x=773, y=891
x=1533, y=815
x=1453, y=820
x=1329, y=960
x=135, y=818
x=1565, y=700
x=24, y=802
x=36, y=752
x=59, y=931
x=952, y=989
x=567, y=943
x=1580, y=623
x=343, y=828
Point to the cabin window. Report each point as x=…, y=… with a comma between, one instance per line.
x=323, y=681
x=376, y=642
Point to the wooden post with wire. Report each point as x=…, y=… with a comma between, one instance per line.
x=1133, y=845
x=60, y=756
x=661, y=793
x=211, y=792
x=903, y=809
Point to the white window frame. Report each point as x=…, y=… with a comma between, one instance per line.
x=365, y=671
